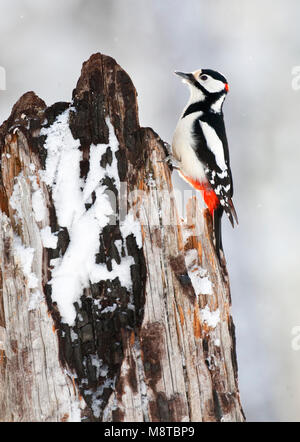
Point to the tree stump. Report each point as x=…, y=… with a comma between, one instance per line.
x=112, y=308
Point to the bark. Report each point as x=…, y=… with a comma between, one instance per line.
x=158, y=350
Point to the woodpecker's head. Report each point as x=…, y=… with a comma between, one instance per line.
x=205, y=85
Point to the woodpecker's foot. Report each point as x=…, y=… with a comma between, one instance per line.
x=172, y=162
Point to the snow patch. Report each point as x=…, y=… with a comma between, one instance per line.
x=49, y=239
x=38, y=205
x=37, y=199
x=110, y=308
x=24, y=257
x=63, y=170
x=131, y=226
x=96, y=396
x=99, y=272
x=211, y=318
x=77, y=268
x=198, y=276
x=75, y=415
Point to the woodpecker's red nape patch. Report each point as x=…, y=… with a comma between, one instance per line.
x=209, y=196
x=226, y=87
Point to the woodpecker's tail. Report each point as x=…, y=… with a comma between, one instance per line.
x=231, y=213
x=218, y=230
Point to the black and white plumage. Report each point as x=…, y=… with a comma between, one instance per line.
x=200, y=146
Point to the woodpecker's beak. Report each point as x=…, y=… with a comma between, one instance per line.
x=184, y=76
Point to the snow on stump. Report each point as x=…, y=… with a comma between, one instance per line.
x=112, y=308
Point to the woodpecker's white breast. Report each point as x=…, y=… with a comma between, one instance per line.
x=182, y=148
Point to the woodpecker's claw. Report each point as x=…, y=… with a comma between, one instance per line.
x=171, y=161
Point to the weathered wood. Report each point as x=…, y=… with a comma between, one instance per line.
x=159, y=349
x=33, y=385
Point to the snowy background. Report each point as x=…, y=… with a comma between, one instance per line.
x=255, y=45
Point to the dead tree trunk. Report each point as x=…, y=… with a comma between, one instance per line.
x=111, y=307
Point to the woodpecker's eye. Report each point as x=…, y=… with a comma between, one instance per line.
x=204, y=77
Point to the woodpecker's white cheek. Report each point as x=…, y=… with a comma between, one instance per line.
x=212, y=85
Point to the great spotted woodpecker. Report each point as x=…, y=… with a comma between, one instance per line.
x=200, y=147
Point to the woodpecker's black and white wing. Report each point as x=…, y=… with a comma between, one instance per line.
x=211, y=148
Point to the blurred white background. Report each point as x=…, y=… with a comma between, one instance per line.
x=255, y=44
